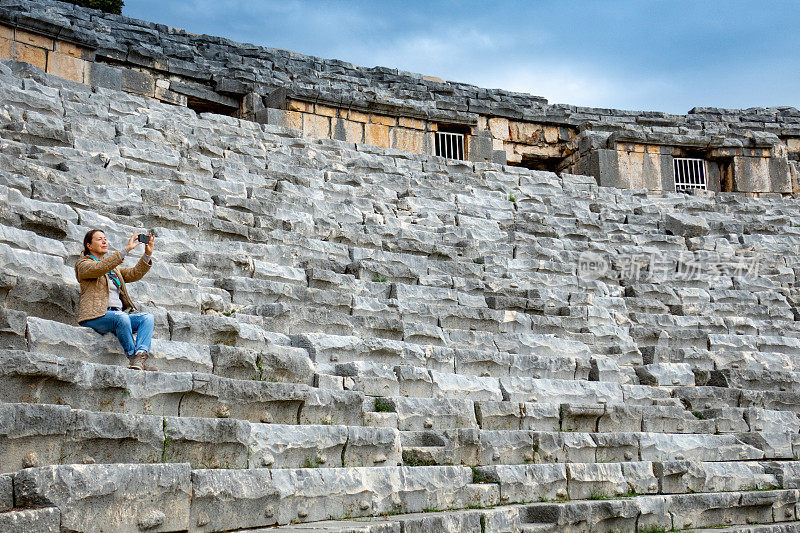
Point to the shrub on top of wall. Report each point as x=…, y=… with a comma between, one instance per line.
x=109, y=6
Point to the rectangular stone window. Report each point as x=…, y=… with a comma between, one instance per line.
x=690, y=173
x=449, y=145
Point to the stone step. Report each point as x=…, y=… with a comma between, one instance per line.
x=173, y=497
x=475, y=447
x=34, y=435
x=215, y=500
x=43, y=378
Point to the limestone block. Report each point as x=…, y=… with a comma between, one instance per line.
x=414, y=381
x=33, y=39
x=64, y=381
x=786, y=473
x=501, y=415
x=526, y=483
x=47, y=336
x=353, y=131
x=640, y=477
x=464, y=386
x=621, y=418
x=413, y=123
x=581, y=417
x=444, y=522
x=685, y=225
x=433, y=413
x=688, y=476
x=5, y=48
x=377, y=135
x=499, y=128
x=206, y=442
x=69, y=49
x=726, y=419
x=774, y=445
x=672, y=447
x=34, y=434
x=323, y=493
x=137, y=82
x=256, y=401
x=595, y=480
x=779, y=504
x=666, y=374
x=407, y=139
x=316, y=126
x=323, y=348
x=559, y=391
x=273, y=362
x=293, y=119
x=331, y=407
x=506, y=447
x=374, y=379
x=367, y=446
x=443, y=447
x=616, y=447
x=233, y=499
x=292, y=446
x=66, y=66
x=117, y=497
x=769, y=421
x=47, y=520
x=12, y=329
x=6, y=492
x=112, y=438
x=380, y=419
x=29, y=54
x=673, y=419
x=551, y=134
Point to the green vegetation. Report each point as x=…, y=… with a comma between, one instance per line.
x=312, y=463
x=480, y=477
x=109, y=6
x=698, y=415
x=377, y=278
x=382, y=405
x=656, y=529
x=412, y=459
x=511, y=197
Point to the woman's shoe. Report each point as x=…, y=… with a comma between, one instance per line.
x=139, y=362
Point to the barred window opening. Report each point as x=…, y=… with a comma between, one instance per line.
x=449, y=145
x=690, y=173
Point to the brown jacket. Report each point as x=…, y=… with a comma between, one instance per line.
x=94, y=283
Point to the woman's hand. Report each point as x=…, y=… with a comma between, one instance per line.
x=133, y=242
x=148, y=248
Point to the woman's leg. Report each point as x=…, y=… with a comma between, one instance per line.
x=142, y=324
x=119, y=323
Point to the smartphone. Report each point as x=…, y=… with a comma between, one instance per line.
x=144, y=238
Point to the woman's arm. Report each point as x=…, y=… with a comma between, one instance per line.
x=136, y=273
x=142, y=267
x=88, y=268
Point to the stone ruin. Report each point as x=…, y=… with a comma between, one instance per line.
x=354, y=335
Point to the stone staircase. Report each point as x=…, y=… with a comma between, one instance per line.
x=354, y=339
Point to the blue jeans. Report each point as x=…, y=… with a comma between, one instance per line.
x=124, y=325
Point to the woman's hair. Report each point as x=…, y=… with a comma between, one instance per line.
x=88, y=238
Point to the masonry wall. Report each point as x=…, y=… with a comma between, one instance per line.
x=755, y=150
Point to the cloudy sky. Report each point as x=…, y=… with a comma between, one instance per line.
x=645, y=55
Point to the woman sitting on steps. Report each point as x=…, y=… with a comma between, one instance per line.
x=105, y=305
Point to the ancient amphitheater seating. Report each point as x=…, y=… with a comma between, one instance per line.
x=354, y=339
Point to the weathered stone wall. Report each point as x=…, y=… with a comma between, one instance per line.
x=323, y=98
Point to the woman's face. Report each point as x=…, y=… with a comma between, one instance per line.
x=99, y=245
